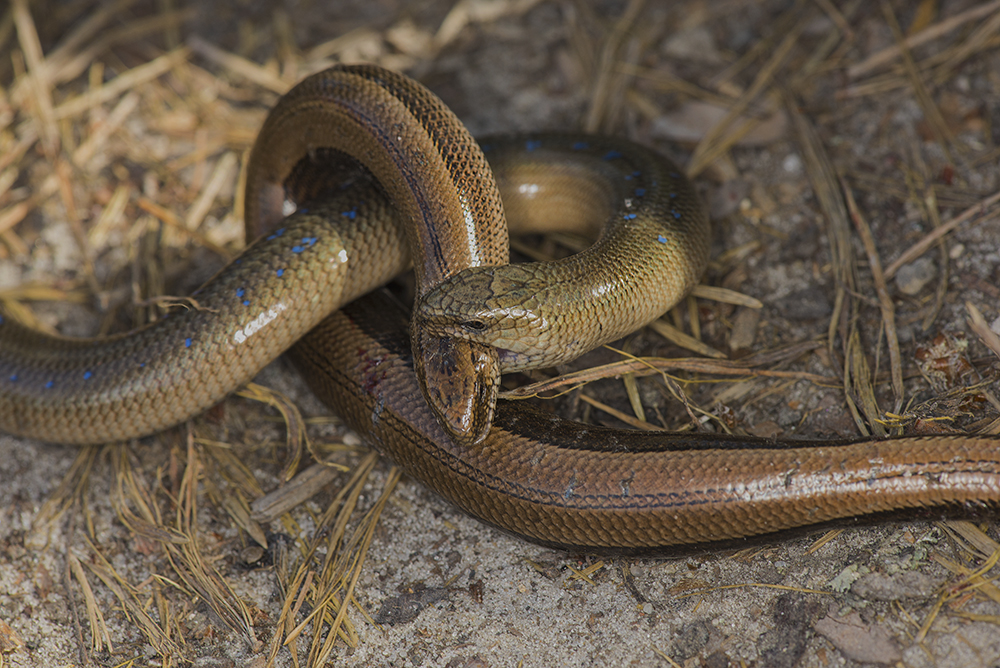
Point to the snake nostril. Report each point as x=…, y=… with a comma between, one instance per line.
x=474, y=325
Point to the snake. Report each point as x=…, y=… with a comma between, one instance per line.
x=310, y=285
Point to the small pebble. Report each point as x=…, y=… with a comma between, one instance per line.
x=252, y=554
x=792, y=163
x=911, y=278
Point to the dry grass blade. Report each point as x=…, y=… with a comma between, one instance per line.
x=12, y=155
x=929, y=205
x=857, y=376
x=131, y=492
x=223, y=175
x=10, y=217
x=931, y=112
x=638, y=423
x=609, y=84
x=342, y=574
x=972, y=579
x=824, y=540
x=122, y=83
x=716, y=142
x=667, y=82
x=982, y=38
x=10, y=299
x=465, y=12
x=189, y=563
x=928, y=34
x=725, y=296
x=70, y=490
x=239, y=66
x=645, y=366
x=666, y=657
x=303, y=486
x=330, y=590
x=634, y=399
x=584, y=574
x=38, y=81
x=167, y=216
x=182, y=552
x=970, y=537
x=977, y=323
x=884, y=298
x=859, y=387
x=135, y=609
x=234, y=502
x=938, y=68
x=302, y=588
x=824, y=182
x=296, y=437
x=233, y=468
x=981, y=211
x=10, y=641
x=100, y=638
x=86, y=151
x=708, y=590
x=680, y=339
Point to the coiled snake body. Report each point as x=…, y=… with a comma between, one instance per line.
x=551, y=481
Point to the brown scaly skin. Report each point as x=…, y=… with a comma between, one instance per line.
x=575, y=486
x=548, y=480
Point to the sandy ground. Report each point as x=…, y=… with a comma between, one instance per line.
x=445, y=590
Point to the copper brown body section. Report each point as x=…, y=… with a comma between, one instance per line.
x=576, y=486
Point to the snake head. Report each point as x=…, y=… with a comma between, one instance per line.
x=460, y=381
x=495, y=307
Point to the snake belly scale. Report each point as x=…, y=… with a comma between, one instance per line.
x=540, y=477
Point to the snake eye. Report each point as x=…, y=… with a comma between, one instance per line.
x=474, y=325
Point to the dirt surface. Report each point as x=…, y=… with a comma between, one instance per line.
x=914, y=138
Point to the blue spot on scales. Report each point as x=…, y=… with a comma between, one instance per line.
x=306, y=243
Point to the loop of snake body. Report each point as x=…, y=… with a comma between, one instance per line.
x=543, y=478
